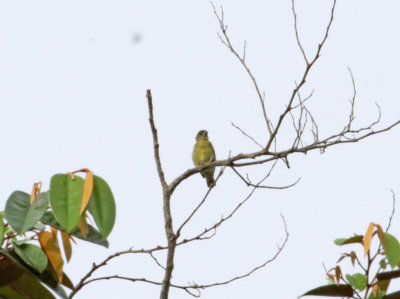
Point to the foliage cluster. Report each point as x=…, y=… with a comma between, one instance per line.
x=32, y=224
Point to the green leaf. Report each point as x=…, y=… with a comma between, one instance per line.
x=342, y=290
x=21, y=280
x=22, y=215
x=65, y=199
x=392, y=250
x=47, y=277
x=358, y=281
x=395, y=295
x=8, y=292
x=39, y=226
x=383, y=263
x=32, y=255
x=93, y=236
x=351, y=240
x=2, y=231
x=102, y=206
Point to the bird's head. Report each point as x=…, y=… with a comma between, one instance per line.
x=203, y=134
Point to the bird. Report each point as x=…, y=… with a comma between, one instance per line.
x=203, y=153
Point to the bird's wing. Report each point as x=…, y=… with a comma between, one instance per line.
x=213, y=158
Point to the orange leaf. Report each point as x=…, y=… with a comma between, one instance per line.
x=381, y=236
x=331, y=277
x=374, y=289
x=67, y=245
x=54, y=232
x=84, y=228
x=368, y=238
x=50, y=246
x=35, y=192
x=87, y=187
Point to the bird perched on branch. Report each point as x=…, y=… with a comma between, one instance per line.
x=203, y=153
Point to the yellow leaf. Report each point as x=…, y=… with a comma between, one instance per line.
x=67, y=245
x=87, y=190
x=381, y=236
x=84, y=228
x=87, y=187
x=50, y=246
x=368, y=238
x=35, y=192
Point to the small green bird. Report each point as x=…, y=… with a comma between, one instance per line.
x=203, y=153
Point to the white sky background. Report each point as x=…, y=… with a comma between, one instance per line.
x=72, y=94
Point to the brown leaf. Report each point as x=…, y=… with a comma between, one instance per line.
x=341, y=258
x=353, y=257
x=368, y=238
x=50, y=246
x=84, y=228
x=338, y=274
x=383, y=285
x=67, y=245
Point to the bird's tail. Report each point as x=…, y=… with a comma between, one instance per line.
x=210, y=181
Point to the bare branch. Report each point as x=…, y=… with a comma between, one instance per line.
x=131, y=279
x=280, y=248
x=227, y=42
x=352, y=102
x=303, y=80
x=156, y=261
x=340, y=138
x=247, y=135
x=169, y=231
x=297, y=34
x=155, y=140
x=250, y=184
x=393, y=210
x=203, y=235
x=95, y=267
x=200, y=204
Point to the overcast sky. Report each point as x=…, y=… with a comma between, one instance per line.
x=73, y=78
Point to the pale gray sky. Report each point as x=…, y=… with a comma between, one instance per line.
x=73, y=77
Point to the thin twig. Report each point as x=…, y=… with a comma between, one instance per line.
x=227, y=42
x=303, y=80
x=297, y=34
x=156, y=261
x=280, y=248
x=178, y=232
x=393, y=210
x=247, y=135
